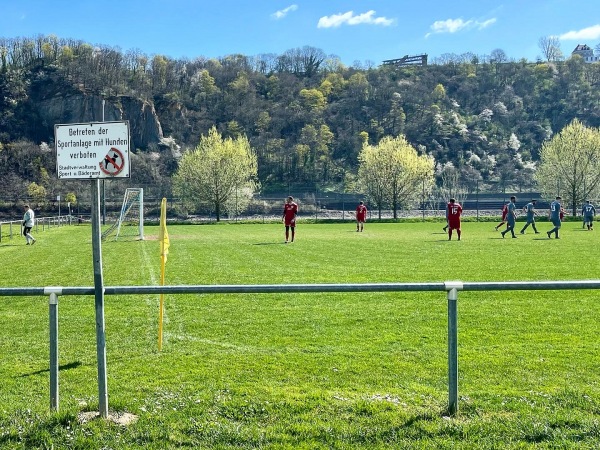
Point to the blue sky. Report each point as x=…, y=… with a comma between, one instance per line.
x=354, y=30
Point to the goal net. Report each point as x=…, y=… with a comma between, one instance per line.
x=130, y=223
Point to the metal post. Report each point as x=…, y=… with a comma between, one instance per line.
x=423, y=200
x=103, y=181
x=141, y=215
x=316, y=204
x=99, y=301
x=477, y=199
x=453, y=287
x=53, y=315
x=103, y=201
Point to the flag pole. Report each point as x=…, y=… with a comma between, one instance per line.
x=164, y=251
x=162, y=301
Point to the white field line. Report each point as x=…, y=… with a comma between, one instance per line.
x=152, y=302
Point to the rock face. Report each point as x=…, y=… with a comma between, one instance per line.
x=144, y=126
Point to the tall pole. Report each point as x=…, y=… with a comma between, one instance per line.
x=53, y=317
x=99, y=300
x=103, y=184
x=423, y=200
x=477, y=199
x=452, y=352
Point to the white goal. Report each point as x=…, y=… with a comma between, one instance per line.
x=130, y=223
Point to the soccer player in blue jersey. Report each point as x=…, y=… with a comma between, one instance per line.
x=529, y=209
x=588, y=213
x=511, y=217
x=555, y=211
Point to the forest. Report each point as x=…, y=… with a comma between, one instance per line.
x=306, y=115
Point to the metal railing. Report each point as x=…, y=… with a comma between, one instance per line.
x=450, y=287
x=13, y=228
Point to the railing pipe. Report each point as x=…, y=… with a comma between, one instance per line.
x=451, y=287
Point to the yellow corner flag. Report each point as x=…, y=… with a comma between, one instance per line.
x=163, y=237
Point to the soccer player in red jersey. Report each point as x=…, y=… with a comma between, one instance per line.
x=504, y=214
x=361, y=216
x=290, y=211
x=453, y=210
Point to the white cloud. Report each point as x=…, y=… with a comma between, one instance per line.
x=486, y=23
x=588, y=33
x=348, y=18
x=456, y=25
x=450, y=25
x=283, y=12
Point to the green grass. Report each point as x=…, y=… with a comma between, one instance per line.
x=363, y=370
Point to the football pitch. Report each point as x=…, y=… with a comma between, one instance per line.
x=328, y=370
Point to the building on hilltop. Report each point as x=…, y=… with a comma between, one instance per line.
x=414, y=60
x=586, y=53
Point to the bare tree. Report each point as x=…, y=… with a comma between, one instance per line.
x=550, y=47
x=301, y=61
x=498, y=56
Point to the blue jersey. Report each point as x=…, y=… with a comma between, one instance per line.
x=530, y=210
x=588, y=210
x=555, y=210
x=510, y=217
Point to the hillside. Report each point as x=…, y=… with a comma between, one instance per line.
x=305, y=113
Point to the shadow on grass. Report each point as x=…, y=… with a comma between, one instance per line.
x=71, y=365
x=269, y=243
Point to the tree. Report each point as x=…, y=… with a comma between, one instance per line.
x=550, y=47
x=71, y=198
x=498, y=56
x=313, y=100
x=393, y=173
x=570, y=164
x=215, y=171
x=301, y=61
x=37, y=193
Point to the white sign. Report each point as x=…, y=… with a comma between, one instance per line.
x=92, y=150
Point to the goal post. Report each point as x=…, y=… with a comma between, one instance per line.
x=130, y=222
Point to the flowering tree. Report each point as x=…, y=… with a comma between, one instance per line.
x=392, y=173
x=216, y=171
x=570, y=164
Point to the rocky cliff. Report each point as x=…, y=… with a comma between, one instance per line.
x=75, y=107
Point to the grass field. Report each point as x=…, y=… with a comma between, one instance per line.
x=310, y=371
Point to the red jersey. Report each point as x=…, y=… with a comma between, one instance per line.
x=361, y=213
x=504, y=212
x=289, y=214
x=453, y=212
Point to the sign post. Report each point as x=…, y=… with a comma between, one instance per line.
x=99, y=300
x=94, y=151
